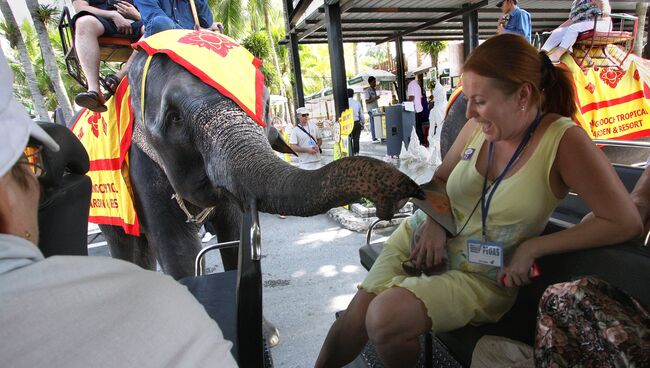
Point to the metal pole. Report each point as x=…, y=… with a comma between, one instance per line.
x=470, y=31
x=401, y=82
x=337, y=59
x=297, y=73
x=294, y=56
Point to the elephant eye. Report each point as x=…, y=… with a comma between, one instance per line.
x=173, y=117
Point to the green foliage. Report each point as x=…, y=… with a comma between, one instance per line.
x=433, y=48
x=47, y=12
x=10, y=33
x=230, y=14
x=258, y=44
x=42, y=77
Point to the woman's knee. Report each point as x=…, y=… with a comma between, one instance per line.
x=88, y=25
x=396, y=314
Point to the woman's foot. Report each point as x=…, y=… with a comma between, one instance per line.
x=92, y=101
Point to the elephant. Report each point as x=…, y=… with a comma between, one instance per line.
x=198, y=144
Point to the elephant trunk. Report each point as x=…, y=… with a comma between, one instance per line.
x=240, y=160
x=284, y=189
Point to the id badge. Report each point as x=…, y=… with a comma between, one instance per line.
x=485, y=253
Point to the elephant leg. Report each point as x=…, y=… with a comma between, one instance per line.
x=129, y=248
x=174, y=241
x=226, y=222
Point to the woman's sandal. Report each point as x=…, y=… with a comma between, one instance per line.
x=91, y=100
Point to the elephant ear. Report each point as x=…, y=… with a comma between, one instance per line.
x=277, y=143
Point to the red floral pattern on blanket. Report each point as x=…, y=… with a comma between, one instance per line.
x=210, y=40
x=611, y=76
x=94, y=121
x=590, y=87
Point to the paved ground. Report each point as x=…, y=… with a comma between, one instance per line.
x=310, y=269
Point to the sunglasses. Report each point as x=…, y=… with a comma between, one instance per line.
x=305, y=115
x=34, y=159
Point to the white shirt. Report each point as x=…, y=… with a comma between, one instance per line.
x=301, y=139
x=75, y=311
x=370, y=93
x=415, y=90
x=357, y=110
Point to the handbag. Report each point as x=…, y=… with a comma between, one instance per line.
x=312, y=138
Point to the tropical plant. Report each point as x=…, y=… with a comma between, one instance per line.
x=42, y=15
x=17, y=38
x=433, y=48
x=258, y=44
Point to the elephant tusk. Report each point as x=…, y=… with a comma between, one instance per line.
x=193, y=219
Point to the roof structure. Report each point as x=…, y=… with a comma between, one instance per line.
x=381, y=21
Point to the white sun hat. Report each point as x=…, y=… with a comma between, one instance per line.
x=302, y=111
x=15, y=125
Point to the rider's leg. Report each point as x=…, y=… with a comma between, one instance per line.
x=347, y=336
x=87, y=30
x=395, y=320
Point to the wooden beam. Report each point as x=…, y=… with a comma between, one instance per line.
x=428, y=24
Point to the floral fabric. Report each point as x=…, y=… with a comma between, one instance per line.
x=590, y=323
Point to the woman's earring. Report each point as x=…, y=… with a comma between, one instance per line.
x=27, y=234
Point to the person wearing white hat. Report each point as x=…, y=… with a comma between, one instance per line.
x=78, y=311
x=306, y=140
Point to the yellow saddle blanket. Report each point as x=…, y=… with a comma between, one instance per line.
x=107, y=138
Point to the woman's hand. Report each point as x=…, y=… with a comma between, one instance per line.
x=127, y=10
x=517, y=270
x=429, y=249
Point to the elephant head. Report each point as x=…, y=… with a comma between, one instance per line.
x=209, y=148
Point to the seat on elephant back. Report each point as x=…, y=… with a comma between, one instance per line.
x=65, y=199
x=623, y=265
x=111, y=49
x=591, y=49
x=234, y=298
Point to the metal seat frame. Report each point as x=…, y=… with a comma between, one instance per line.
x=112, y=49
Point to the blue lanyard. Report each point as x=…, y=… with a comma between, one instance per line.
x=485, y=203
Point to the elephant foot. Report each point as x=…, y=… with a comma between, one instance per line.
x=271, y=333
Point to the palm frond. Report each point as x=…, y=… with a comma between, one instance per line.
x=46, y=12
x=229, y=13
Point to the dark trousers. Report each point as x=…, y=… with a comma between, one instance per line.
x=419, y=126
x=356, y=132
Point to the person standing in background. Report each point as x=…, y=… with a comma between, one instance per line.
x=305, y=141
x=357, y=115
x=514, y=19
x=414, y=94
x=371, y=103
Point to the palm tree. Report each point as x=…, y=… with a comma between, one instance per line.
x=433, y=48
x=16, y=40
x=41, y=15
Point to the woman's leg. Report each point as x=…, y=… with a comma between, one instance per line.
x=347, y=336
x=395, y=320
